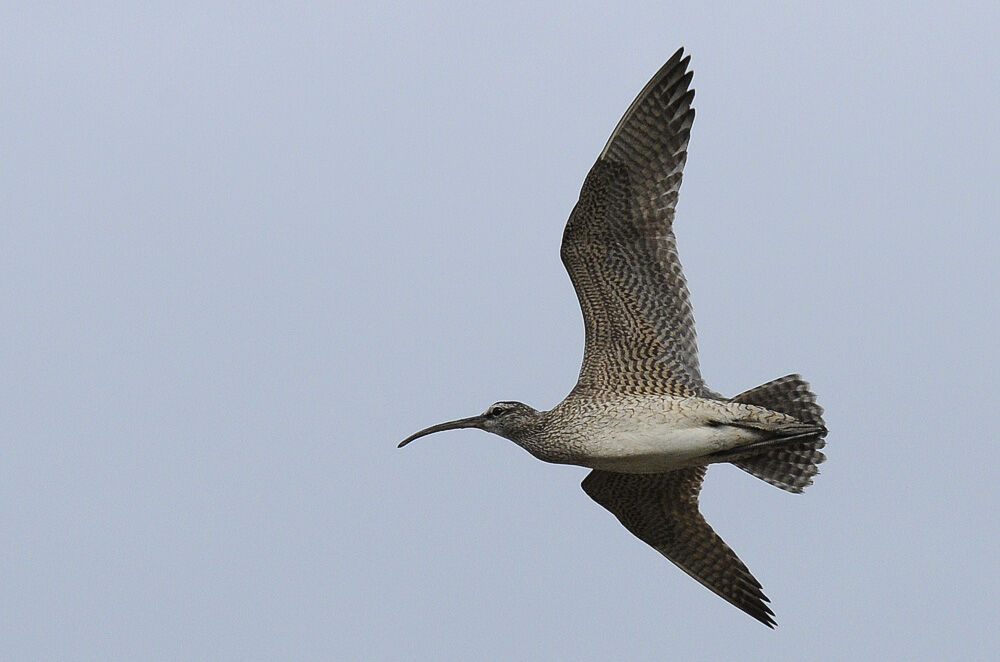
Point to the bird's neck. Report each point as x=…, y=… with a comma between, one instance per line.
x=541, y=440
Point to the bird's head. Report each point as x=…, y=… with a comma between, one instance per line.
x=506, y=418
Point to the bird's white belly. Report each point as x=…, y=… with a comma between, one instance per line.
x=662, y=447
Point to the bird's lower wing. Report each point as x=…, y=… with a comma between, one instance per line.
x=662, y=511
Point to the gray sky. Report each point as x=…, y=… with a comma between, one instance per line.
x=244, y=252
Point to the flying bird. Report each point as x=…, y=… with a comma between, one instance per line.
x=641, y=416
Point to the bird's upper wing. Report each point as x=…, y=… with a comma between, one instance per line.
x=619, y=249
x=662, y=510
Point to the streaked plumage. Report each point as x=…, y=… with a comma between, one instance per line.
x=640, y=414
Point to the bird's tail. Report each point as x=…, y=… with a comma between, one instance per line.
x=788, y=466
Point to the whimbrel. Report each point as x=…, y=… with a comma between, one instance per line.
x=641, y=416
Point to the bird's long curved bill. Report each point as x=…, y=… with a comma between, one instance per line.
x=471, y=422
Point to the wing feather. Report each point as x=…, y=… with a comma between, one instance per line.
x=662, y=511
x=620, y=251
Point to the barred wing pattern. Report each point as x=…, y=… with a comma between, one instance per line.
x=620, y=252
x=662, y=510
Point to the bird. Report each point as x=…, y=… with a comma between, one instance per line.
x=640, y=416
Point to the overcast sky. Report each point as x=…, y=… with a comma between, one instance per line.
x=244, y=252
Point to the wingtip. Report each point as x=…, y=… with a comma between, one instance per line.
x=678, y=62
x=764, y=615
x=674, y=69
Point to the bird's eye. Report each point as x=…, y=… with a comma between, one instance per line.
x=496, y=411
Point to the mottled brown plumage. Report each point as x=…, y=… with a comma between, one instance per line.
x=788, y=466
x=662, y=511
x=620, y=252
x=640, y=414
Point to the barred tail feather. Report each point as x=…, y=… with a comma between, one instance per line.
x=790, y=467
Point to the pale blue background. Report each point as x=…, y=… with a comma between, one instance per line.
x=244, y=251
